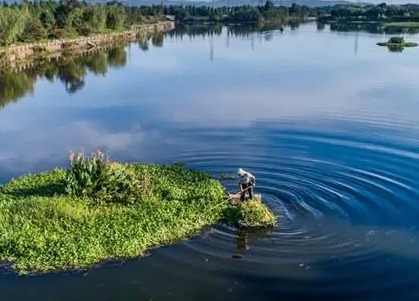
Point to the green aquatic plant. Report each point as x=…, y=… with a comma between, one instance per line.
x=43, y=228
x=101, y=180
x=250, y=214
x=97, y=210
x=397, y=44
x=396, y=40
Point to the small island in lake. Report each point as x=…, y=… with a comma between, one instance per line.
x=99, y=210
x=397, y=44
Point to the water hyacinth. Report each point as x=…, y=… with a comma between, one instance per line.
x=250, y=214
x=99, y=209
x=48, y=223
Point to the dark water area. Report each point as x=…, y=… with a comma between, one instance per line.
x=326, y=120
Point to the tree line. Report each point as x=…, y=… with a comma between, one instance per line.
x=48, y=19
x=380, y=12
x=238, y=14
x=38, y=20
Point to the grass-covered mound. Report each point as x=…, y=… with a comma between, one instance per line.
x=251, y=214
x=397, y=44
x=98, y=210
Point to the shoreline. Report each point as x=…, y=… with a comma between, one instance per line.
x=14, y=55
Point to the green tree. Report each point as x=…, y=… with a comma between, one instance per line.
x=269, y=5
x=12, y=24
x=47, y=19
x=33, y=31
x=95, y=17
x=115, y=17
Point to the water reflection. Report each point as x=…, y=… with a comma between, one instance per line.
x=332, y=138
x=247, y=237
x=243, y=30
x=375, y=28
x=71, y=71
x=15, y=85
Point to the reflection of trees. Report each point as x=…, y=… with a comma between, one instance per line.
x=294, y=24
x=157, y=39
x=143, y=44
x=97, y=63
x=72, y=74
x=395, y=48
x=320, y=26
x=117, y=57
x=194, y=30
x=372, y=28
x=14, y=86
x=249, y=29
x=69, y=70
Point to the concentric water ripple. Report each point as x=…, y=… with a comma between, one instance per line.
x=330, y=132
x=348, y=208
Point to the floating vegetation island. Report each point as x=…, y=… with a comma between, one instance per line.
x=99, y=210
x=397, y=44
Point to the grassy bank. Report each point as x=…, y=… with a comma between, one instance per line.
x=99, y=210
x=43, y=229
x=23, y=54
x=402, y=24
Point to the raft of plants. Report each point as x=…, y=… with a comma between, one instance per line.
x=397, y=42
x=98, y=210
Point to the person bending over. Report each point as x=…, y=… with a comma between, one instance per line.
x=246, y=183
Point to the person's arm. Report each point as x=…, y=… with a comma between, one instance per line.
x=254, y=180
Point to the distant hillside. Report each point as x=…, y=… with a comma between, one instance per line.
x=309, y=3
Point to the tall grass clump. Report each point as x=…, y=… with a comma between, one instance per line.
x=101, y=180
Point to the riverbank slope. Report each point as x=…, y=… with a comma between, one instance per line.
x=15, y=54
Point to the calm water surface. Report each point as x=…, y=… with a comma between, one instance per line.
x=327, y=121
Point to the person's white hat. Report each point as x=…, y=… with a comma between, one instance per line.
x=240, y=171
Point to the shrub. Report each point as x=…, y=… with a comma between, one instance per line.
x=63, y=33
x=84, y=31
x=100, y=180
x=396, y=40
x=34, y=31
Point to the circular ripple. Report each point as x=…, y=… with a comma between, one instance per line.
x=347, y=204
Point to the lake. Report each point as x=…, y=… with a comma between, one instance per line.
x=327, y=121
